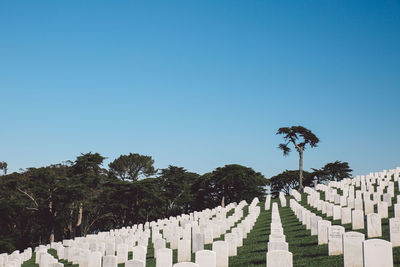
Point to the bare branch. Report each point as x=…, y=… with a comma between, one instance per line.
x=34, y=201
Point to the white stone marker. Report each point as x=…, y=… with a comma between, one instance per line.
x=374, y=225
x=314, y=224
x=394, y=230
x=95, y=259
x=110, y=261
x=377, y=252
x=206, y=258
x=279, y=258
x=346, y=215
x=139, y=253
x=353, y=249
x=397, y=210
x=110, y=249
x=164, y=257
x=198, y=242
x=358, y=204
x=186, y=264
x=383, y=209
x=184, y=253
x=368, y=207
x=335, y=243
x=357, y=219
x=221, y=250
x=158, y=244
x=84, y=257
x=323, y=231
x=336, y=212
x=278, y=246
x=122, y=253
x=135, y=263
x=231, y=239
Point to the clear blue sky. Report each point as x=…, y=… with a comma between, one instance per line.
x=200, y=84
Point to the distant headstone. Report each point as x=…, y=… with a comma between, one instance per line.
x=357, y=219
x=374, y=225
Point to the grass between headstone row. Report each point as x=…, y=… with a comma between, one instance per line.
x=304, y=247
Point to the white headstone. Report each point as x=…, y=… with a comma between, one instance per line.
x=186, y=264
x=95, y=259
x=374, y=225
x=279, y=258
x=139, y=253
x=222, y=252
x=198, y=242
x=135, y=263
x=394, y=230
x=377, y=252
x=346, y=215
x=206, y=258
x=110, y=261
x=352, y=249
x=335, y=243
x=323, y=231
x=357, y=219
x=184, y=250
x=278, y=246
x=164, y=257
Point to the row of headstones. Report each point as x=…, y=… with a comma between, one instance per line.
x=356, y=217
x=382, y=179
x=219, y=256
x=278, y=254
x=83, y=250
x=351, y=197
x=186, y=246
x=357, y=251
x=82, y=255
x=15, y=259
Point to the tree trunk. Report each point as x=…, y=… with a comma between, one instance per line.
x=52, y=222
x=301, y=171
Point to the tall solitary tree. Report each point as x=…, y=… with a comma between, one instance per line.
x=3, y=166
x=299, y=137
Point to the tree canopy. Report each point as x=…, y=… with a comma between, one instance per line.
x=299, y=137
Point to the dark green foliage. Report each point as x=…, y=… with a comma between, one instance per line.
x=234, y=183
x=63, y=201
x=132, y=167
x=288, y=180
x=337, y=171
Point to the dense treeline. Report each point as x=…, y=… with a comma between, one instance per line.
x=289, y=179
x=74, y=198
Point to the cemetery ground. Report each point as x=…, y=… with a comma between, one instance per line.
x=305, y=248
